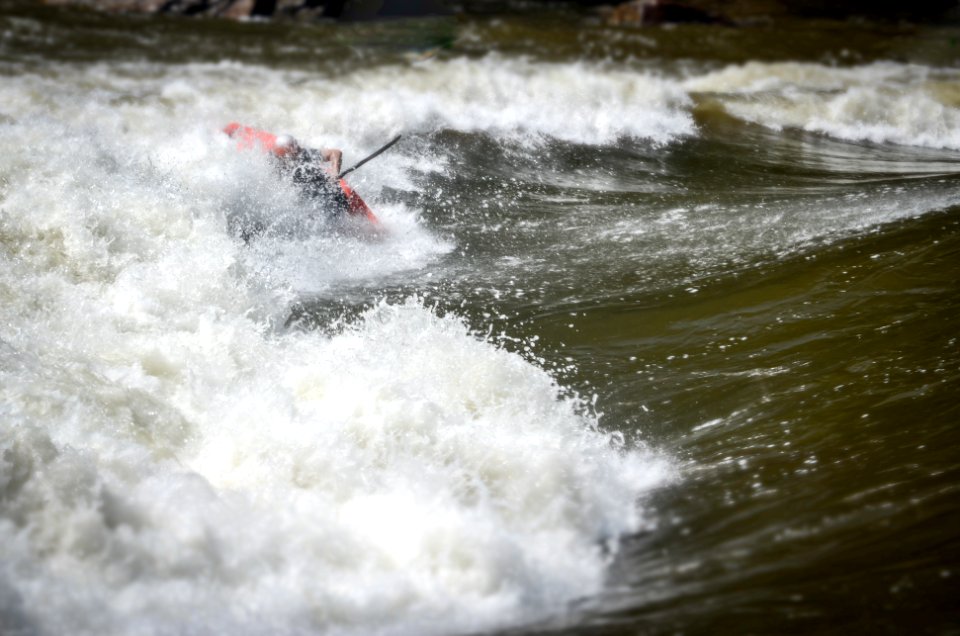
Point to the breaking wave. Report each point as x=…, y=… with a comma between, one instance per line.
x=881, y=103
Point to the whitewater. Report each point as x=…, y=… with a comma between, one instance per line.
x=178, y=456
x=178, y=459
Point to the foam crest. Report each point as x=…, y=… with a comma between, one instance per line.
x=505, y=97
x=354, y=484
x=577, y=102
x=881, y=103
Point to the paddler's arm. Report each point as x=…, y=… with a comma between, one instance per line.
x=332, y=156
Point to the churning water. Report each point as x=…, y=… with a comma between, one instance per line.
x=651, y=337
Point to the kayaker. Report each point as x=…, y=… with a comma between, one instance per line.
x=313, y=170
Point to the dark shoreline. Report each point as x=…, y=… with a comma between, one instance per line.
x=630, y=13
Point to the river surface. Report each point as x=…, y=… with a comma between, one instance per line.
x=659, y=331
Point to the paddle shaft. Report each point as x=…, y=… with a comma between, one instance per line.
x=369, y=157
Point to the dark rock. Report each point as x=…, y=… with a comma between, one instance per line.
x=114, y=6
x=648, y=12
x=375, y=9
x=235, y=9
x=634, y=12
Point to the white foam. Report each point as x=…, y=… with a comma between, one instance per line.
x=507, y=97
x=577, y=102
x=173, y=461
x=882, y=102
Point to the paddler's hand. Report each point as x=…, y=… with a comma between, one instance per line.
x=334, y=157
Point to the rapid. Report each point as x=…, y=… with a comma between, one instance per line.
x=658, y=332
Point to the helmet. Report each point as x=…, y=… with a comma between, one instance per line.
x=249, y=137
x=285, y=145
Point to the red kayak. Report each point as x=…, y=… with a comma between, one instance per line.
x=357, y=206
x=250, y=138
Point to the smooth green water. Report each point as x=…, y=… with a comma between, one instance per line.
x=761, y=282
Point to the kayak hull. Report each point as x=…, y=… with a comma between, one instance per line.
x=357, y=206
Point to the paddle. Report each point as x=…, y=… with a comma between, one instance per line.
x=369, y=157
